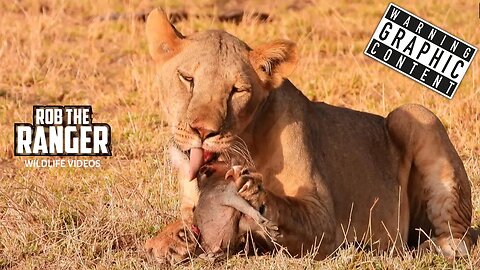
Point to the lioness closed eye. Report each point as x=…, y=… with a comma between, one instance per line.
x=330, y=174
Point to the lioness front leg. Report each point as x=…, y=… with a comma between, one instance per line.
x=302, y=223
x=189, y=192
x=178, y=241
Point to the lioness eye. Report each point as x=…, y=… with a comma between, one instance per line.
x=185, y=78
x=238, y=90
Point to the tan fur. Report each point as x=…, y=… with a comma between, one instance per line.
x=330, y=175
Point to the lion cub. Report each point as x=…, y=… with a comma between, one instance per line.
x=218, y=214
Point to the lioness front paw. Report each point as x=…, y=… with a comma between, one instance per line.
x=249, y=185
x=251, y=188
x=446, y=246
x=174, y=244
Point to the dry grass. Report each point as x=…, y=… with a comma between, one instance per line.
x=86, y=218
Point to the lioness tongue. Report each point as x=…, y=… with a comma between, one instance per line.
x=196, y=161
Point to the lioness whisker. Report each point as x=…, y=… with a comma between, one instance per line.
x=245, y=153
x=226, y=156
x=245, y=156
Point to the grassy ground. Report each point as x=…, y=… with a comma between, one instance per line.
x=56, y=52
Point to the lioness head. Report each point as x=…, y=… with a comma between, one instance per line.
x=212, y=83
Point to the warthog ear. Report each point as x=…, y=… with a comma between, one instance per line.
x=163, y=39
x=274, y=61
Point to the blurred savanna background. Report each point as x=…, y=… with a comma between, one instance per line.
x=94, y=52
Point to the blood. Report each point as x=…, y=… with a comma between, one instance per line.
x=208, y=156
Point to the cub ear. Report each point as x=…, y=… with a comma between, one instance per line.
x=274, y=61
x=163, y=39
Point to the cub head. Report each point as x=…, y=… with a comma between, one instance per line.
x=212, y=83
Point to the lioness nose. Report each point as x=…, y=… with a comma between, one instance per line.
x=204, y=132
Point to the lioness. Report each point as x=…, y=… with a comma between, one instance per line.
x=330, y=175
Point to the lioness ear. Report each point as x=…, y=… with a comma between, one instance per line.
x=274, y=61
x=163, y=39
